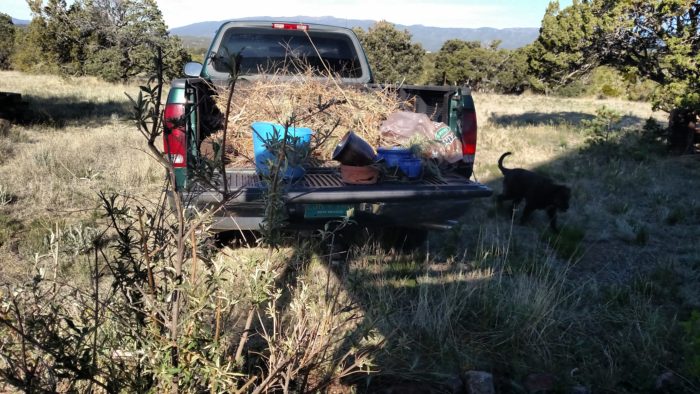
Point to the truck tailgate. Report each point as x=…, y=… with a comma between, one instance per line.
x=324, y=185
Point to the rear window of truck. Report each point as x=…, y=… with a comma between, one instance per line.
x=269, y=51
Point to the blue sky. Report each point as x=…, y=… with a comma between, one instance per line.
x=441, y=13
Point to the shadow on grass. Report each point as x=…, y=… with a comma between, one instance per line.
x=591, y=172
x=62, y=111
x=438, y=322
x=383, y=286
x=555, y=119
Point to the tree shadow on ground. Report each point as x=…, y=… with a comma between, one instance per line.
x=363, y=279
x=64, y=111
x=576, y=119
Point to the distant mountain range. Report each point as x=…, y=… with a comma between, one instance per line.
x=431, y=38
x=19, y=22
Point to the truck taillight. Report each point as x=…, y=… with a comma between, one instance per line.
x=469, y=135
x=290, y=26
x=174, y=138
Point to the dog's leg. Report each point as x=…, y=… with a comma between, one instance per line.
x=516, y=203
x=552, y=213
x=526, y=213
x=505, y=194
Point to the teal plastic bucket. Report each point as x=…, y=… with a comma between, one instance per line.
x=267, y=133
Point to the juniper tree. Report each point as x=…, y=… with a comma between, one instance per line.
x=482, y=67
x=391, y=54
x=7, y=40
x=654, y=39
x=115, y=40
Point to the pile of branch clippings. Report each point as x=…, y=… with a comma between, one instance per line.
x=324, y=105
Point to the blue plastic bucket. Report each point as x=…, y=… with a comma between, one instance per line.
x=411, y=167
x=392, y=156
x=266, y=131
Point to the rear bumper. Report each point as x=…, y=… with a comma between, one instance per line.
x=437, y=215
x=429, y=202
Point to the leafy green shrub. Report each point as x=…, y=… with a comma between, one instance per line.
x=604, y=127
x=642, y=90
x=654, y=134
x=606, y=136
x=606, y=82
x=576, y=88
x=7, y=38
x=610, y=91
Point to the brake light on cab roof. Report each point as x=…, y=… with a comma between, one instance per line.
x=290, y=26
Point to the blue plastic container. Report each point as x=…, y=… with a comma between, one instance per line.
x=411, y=167
x=267, y=131
x=392, y=156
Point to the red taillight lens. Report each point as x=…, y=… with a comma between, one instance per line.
x=175, y=138
x=290, y=26
x=469, y=135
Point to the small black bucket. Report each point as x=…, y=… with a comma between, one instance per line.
x=352, y=150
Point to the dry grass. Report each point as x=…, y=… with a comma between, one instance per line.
x=63, y=170
x=76, y=142
x=87, y=89
x=538, y=129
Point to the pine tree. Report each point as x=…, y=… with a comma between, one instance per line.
x=126, y=37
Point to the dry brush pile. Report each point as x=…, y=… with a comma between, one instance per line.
x=278, y=98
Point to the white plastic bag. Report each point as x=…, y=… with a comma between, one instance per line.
x=436, y=139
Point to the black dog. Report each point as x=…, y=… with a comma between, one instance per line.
x=538, y=191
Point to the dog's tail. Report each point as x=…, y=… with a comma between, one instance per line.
x=500, y=162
